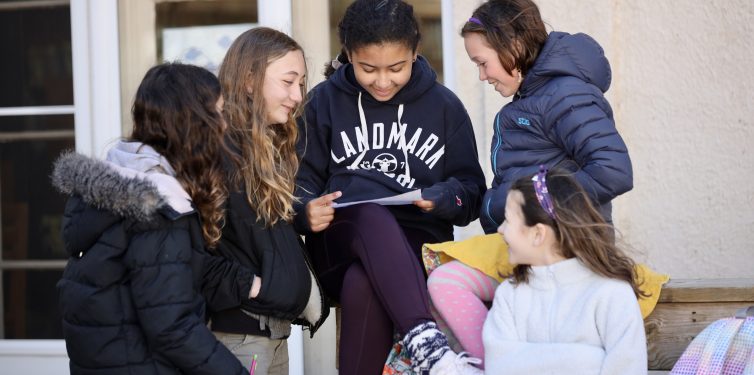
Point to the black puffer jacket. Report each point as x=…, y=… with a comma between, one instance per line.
x=289, y=289
x=131, y=294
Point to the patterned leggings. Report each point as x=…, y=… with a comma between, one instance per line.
x=458, y=294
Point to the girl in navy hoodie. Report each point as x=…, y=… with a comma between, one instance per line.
x=381, y=125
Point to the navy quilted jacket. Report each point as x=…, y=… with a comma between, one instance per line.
x=560, y=117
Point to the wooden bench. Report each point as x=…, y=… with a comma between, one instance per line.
x=685, y=308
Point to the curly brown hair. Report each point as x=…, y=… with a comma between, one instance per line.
x=579, y=228
x=175, y=112
x=268, y=161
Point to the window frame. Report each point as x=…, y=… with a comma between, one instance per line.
x=96, y=100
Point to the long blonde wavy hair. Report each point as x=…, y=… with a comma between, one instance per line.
x=268, y=160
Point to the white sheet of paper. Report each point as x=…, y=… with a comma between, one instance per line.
x=405, y=198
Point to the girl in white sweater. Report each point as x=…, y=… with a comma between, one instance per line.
x=570, y=306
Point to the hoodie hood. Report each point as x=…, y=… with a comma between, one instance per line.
x=139, y=157
x=564, y=54
x=422, y=79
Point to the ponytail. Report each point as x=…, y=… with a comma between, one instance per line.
x=332, y=66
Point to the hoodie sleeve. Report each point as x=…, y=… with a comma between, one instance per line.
x=458, y=198
x=583, y=125
x=314, y=155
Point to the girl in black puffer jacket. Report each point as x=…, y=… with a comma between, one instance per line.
x=136, y=226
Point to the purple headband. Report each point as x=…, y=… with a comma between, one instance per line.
x=476, y=21
x=540, y=190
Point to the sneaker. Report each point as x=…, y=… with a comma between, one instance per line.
x=456, y=364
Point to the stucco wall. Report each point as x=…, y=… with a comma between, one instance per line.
x=682, y=98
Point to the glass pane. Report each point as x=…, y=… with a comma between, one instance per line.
x=36, y=66
x=428, y=14
x=31, y=209
x=30, y=304
x=15, y=124
x=200, y=32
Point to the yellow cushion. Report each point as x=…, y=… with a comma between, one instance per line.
x=489, y=254
x=650, y=282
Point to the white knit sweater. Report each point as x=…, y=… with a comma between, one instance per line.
x=565, y=320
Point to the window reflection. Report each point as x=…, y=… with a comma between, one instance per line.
x=31, y=209
x=36, y=66
x=200, y=32
x=30, y=302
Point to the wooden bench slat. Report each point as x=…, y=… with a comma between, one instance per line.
x=709, y=290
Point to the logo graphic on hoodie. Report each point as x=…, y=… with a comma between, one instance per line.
x=385, y=163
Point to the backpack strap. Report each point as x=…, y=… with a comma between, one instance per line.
x=745, y=312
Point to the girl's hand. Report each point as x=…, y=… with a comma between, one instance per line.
x=425, y=205
x=319, y=211
x=256, y=286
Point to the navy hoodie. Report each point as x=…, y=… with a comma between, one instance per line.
x=560, y=117
x=352, y=143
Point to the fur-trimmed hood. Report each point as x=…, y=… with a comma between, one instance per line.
x=123, y=191
x=104, y=193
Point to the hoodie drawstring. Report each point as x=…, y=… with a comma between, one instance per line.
x=401, y=144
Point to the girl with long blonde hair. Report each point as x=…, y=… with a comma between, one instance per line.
x=263, y=79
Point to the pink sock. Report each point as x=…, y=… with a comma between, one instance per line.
x=458, y=293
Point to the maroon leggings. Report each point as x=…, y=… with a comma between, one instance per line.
x=370, y=265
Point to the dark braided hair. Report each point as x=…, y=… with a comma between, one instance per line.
x=368, y=22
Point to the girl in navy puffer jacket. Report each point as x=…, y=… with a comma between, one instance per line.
x=558, y=117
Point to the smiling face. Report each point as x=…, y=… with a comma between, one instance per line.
x=490, y=68
x=382, y=69
x=516, y=233
x=283, y=85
